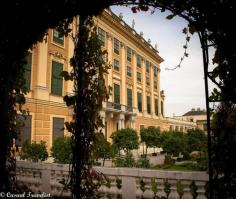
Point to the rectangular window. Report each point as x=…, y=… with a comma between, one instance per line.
x=148, y=105
x=129, y=97
x=101, y=36
x=24, y=130
x=139, y=77
x=116, y=46
x=56, y=79
x=129, y=71
x=57, y=37
x=162, y=108
x=27, y=74
x=139, y=96
x=116, y=93
x=155, y=84
x=155, y=71
x=147, y=80
x=147, y=66
x=138, y=59
x=129, y=54
x=156, y=106
x=116, y=65
x=57, y=127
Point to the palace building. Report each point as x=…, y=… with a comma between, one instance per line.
x=137, y=100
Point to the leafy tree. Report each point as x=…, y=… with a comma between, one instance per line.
x=224, y=150
x=174, y=143
x=150, y=136
x=125, y=139
x=196, y=140
x=34, y=152
x=101, y=148
x=62, y=150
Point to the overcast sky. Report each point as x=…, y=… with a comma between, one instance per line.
x=184, y=87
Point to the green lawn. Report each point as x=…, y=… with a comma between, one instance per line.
x=182, y=167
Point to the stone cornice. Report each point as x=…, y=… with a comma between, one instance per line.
x=124, y=29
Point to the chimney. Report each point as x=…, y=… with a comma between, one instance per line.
x=193, y=109
x=198, y=109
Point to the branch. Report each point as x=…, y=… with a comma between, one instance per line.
x=185, y=46
x=213, y=80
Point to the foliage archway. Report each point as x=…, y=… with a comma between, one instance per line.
x=26, y=23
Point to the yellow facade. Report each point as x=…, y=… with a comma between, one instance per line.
x=130, y=75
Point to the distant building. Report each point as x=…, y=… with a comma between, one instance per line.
x=197, y=116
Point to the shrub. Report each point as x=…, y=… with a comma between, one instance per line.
x=168, y=160
x=34, y=152
x=126, y=139
x=61, y=150
x=102, y=148
x=127, y=161
x=143, y=162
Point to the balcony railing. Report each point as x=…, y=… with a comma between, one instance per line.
x=121, y=107
x=114, y=105
x=129, y=108
x=134, y=183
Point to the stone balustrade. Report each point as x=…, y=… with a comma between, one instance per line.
x=46, y=177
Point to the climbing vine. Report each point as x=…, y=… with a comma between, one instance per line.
x=90, y=91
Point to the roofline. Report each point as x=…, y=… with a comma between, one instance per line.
x=139, y=40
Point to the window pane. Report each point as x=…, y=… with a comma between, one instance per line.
x=139, y=77
x=56, y=79
x=148, y=105
x=147, y=66
x=129, y=71
x=156, y=106
x=117, y=93
x=155, y=71
x=147, y=80
x=129, y=97
x=58, y=127
x=162, y=108
x=129, y=54
x=57, y=38
x=116, y=65
x=101, y=36
x=138, y=61
x=116, y=46
x=139, y=96
x=24, y=134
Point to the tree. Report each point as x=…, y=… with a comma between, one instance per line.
x=125, y=139
x=224, y=150
x=196, y=140
x=34, y=152
x=62, y=150
x=101, y=148
x=174, y=142
x=150, y=136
